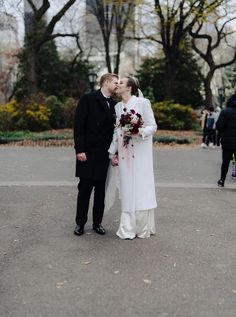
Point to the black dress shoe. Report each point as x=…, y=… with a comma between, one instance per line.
x=79, y=230
x=220, y=183
x=99, y=229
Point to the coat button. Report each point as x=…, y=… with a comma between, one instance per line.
x=133, y=156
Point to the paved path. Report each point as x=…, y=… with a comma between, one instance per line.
x=186, y=270
x=55, y=166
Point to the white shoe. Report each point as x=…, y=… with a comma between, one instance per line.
x=212, y=145
x=203, y=145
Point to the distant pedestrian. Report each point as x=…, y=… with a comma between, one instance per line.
x=217, y=132
x=204, y=114
x=226, y=124
x=211, y=127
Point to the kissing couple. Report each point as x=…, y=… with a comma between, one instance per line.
x=113, y=144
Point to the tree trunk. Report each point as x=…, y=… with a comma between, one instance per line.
x=117, y=62
x=108, y=59
x=170, y=76
x=207, y=87
x=31, y=58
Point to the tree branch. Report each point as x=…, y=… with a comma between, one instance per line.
x=76, y=36
x=42, y=10
x=33, y=7
x=227, y=63
x=57, y=17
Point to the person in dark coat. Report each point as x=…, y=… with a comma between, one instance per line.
x=226, y=124
x=93, y=131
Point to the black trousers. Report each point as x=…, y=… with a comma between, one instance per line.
x=85, y=188
x=210, y=136
x=226, y=158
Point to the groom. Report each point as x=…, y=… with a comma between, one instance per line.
x=93, y=131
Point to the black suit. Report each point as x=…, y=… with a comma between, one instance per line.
x=93, y=131
x=226, y=124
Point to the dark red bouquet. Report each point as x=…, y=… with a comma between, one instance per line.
x=130, y=122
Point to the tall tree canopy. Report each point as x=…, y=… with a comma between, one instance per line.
x=188, y=81
x=175, y=18
x=36, y=36
x=218, y=37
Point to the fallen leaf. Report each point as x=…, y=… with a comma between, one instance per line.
x=147, y=281
x=60, y=284
x=87, y=262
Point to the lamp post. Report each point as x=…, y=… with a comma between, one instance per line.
x=221, y=92
x=92, y=80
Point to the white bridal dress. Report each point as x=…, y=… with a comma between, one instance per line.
x=135, y=174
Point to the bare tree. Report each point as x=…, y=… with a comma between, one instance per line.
x=37, y=35
x=207, y=53
x=174, y=19
x=112, y=16
x=123, y=15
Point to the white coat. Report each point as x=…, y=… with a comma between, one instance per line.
x=137, y=186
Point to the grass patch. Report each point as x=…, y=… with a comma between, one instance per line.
x=16, y=136
x=162, y=136
x=172, y=139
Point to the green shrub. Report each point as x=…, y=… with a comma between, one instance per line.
x=30, y=115
x=6, y=116
x=56, y=116
x=173, y=116
x=172, y=139
x=68, y=112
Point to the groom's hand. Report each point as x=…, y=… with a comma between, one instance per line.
x=81, y=157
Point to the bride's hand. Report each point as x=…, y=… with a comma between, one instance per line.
x=115, y=160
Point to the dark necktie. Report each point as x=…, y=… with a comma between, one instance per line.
x=108, y=100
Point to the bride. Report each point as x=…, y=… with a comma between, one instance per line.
x=134, y=157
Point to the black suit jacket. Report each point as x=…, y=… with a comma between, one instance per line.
x=93, y=131
x=226, y=124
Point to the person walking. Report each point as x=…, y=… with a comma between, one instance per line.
x=211, y=128
x=204, y=114
x=93, y=131
x=226, y=124
x=131, y=149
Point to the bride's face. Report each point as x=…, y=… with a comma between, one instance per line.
x=122, y=86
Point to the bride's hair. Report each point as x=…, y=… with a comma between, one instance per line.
x=134, y=84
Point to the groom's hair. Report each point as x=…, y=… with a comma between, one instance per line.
x=134, y=84
x=107, y=76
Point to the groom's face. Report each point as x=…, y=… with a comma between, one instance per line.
x=112, y=85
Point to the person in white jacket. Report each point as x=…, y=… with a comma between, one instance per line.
x=135, y=164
